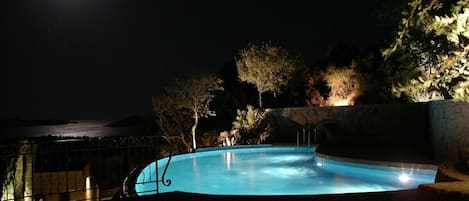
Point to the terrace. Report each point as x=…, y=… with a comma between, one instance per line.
x=110, y=160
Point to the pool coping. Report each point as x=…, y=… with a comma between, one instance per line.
x=177, y=157
x=329, y=156
x=398, y=195
x=388, y=164
x=205, y=149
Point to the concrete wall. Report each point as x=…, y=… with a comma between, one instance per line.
x=449, y=125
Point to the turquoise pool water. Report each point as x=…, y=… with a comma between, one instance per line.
x=276, y=171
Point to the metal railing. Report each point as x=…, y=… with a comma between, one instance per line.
x=132, y=181
x=72, y=169
x=305, y=135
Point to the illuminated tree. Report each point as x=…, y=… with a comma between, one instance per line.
x=172, y=121
x=268, y=67
x=194, y=96
x=434, y=38
x=313, y=81
x=343, y=84
x=248, y=124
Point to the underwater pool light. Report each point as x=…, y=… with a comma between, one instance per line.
x=404, y=178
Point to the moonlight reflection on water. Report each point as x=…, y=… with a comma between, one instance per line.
x=80, y=128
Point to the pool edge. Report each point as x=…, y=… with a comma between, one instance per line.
x=378, y=163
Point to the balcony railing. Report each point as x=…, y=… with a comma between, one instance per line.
x=74, y=168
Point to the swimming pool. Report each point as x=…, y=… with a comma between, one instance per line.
x=272, y=170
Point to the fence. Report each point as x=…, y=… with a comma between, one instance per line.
x=72, y=169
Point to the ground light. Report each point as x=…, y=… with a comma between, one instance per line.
x=88, y=183
x=344, y=102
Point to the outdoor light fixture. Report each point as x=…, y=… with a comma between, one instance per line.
x=343, y=102
x=88, y=183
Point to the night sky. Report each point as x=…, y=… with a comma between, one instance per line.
x=105, y=59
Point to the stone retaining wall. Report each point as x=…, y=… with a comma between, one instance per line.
x=449, y=126
x=441, y=126
x=384, y=123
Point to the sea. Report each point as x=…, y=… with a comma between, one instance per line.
x=79, y=128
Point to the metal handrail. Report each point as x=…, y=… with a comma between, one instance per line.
x=308, y=132
x=166, y=182
x=163, y=180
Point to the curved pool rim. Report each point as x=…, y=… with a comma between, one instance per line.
x=422, y=168
x=375, y=163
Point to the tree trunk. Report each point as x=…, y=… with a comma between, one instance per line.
x=161, y=124
x=181, y=138
x=260, y=99
x=196, y=120
x=187, y=144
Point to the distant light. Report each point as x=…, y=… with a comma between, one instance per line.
x=88, y=183
x=319, y=164
x=404, y=178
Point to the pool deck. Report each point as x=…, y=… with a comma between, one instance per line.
x=403, y=195
x=451, y=184
x=454, y=183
